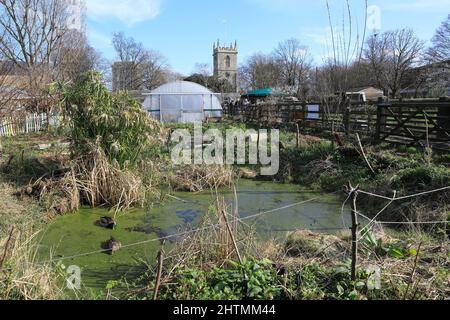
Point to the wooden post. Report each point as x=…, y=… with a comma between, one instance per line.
x=381, y=121
x=347, y=120
x=5, y=250
x=158, y=276
x=353, y=193
x=444, y=121
x=298, y=134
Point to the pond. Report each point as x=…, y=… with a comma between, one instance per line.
x=77, y=239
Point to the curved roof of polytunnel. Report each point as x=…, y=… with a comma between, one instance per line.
x=180, y=87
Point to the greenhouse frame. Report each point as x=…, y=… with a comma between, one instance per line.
x=182, y=102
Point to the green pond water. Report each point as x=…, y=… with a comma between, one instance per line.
x=75, y=234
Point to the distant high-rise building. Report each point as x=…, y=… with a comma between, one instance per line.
x=226, y=63
x=77, y=13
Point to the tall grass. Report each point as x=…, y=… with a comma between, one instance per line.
x=22, y=277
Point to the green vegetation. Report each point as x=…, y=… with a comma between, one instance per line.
x=116, y=123
x=111, y=154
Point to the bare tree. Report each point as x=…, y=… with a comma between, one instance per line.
x=295, y=62
x=8, y=87
x=145, y=69
x=202, y=72
x=260, y=71
x=391, y=55
x=376, y=53
x=31, y=34
x=31, y=30
x=440, y=51
x=76, y=56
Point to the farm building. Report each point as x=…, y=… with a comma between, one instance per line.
x=182, y=102
x=368, y=93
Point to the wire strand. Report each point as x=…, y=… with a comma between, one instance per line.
x=186, y=232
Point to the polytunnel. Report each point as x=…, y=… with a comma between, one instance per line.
x=182, y=102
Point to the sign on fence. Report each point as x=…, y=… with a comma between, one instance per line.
x=27, y=123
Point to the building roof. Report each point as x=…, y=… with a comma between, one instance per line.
x=262, y=93
x=359, y=89
x=181, y=87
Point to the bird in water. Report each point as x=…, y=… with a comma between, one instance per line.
x=113, y=245
x=107, y=222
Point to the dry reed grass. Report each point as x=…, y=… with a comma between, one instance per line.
x=22, y=277
x=197, y=178
x=92, y=180
x=212, y=245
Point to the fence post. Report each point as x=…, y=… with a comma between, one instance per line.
x=353, y=193
x=381, y=120
x=347, y=120
x=444, y=120
x=159, y=272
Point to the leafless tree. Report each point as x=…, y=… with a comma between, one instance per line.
x=147, y=68
x=202, y=72
x=76, y=56
x=31, y=30
x=260, y=71
x=391, y=55
x=31, y=35
x=345, y=50
x=295, y=62
x=440, y=51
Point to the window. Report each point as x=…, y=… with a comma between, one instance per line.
x=228, y=62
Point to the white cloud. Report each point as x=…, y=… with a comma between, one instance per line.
x=127, y=11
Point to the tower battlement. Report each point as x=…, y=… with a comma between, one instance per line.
x=226, y=63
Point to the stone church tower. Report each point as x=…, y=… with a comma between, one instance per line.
x=226, y=63
x=76, y=15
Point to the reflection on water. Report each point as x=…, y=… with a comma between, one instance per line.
x=77, y=233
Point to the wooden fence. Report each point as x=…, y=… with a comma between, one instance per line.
x=413, y=123
x=27, y=123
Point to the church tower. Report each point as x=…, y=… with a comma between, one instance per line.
x=226, y=63
x=76, y=15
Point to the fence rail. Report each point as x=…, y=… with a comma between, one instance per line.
x=412, y=123
x=27, y=123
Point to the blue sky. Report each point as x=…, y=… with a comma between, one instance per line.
x=184, y=30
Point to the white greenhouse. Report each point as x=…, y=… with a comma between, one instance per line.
x=182, y=102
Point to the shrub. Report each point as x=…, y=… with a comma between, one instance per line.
x=114, y=122
x=254, y=280
x=422, y=177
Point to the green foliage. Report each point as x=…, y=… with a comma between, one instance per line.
x=397, y=250
x=114, y=122
x=255, y=280
x=316, y=282
x=423, y=176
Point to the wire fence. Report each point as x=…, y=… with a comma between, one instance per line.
x=392, y=200
x=366, y=229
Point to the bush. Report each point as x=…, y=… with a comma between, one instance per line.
x=227, y=283
x=422, y=177
x=116, y=123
